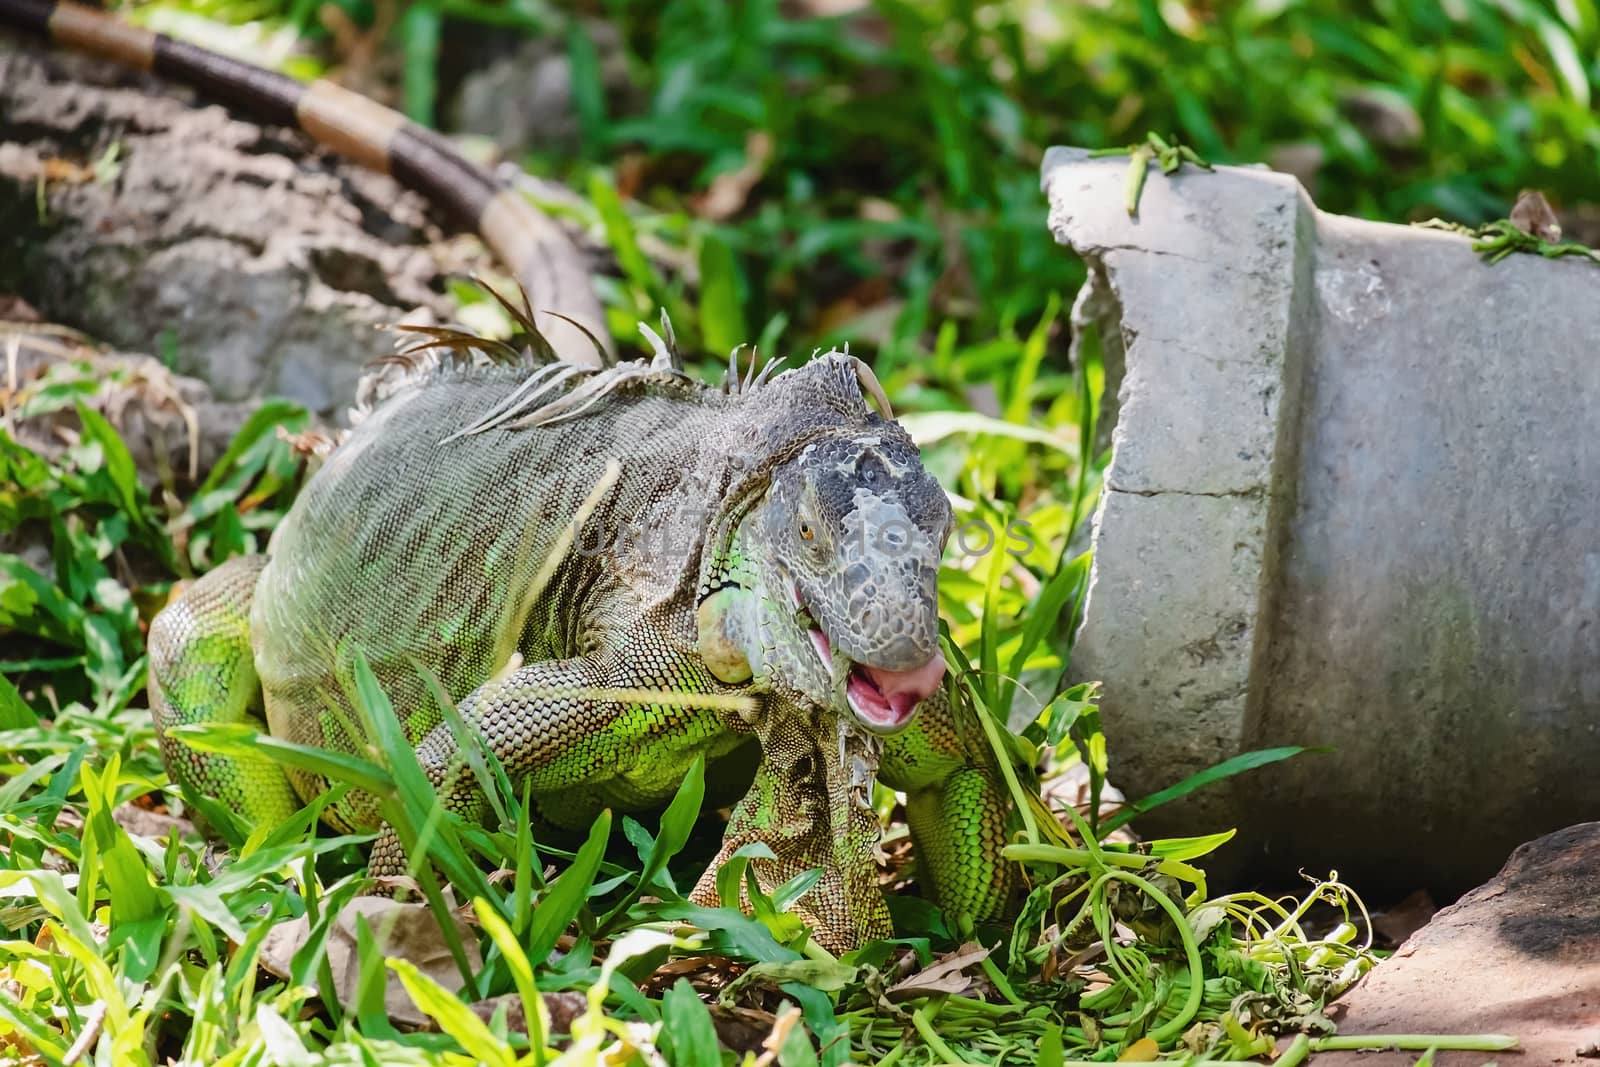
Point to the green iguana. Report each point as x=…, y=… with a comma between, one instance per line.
x=544, y=537
x=540, y=537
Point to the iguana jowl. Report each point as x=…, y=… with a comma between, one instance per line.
x=540, y=537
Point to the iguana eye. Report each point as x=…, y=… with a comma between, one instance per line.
x=806, y=532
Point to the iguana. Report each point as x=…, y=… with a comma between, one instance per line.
x=543, y=538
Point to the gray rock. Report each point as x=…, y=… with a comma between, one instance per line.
x=258, y=262
x=1351, y=505
x=524, y=101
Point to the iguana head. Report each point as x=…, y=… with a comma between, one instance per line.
x=833, y=592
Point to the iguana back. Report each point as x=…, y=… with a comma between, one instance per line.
x=420, y=550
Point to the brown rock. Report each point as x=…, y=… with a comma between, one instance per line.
x=1519, y=955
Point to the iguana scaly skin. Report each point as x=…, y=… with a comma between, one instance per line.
x=539, y=537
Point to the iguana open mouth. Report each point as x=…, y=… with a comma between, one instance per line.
x=880, y=697
x=887, y=698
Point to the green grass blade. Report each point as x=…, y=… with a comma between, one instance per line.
x=691, y=1038
x=624, y=241
x=676, y=823
x=731, y=873
x=1245, y=761
x=1043, y=616
x=453, y=1017
x=233, y=739
x=568, y=893
x=588, y=87
x=722, y=325
x=521, y=968
x=419, y=31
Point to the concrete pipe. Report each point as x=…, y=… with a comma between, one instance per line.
x=1354, y=502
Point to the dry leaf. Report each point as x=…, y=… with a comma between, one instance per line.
x=743, y=1030
x=1533, y=214
x=311, y=444
x=942, y=975
x=725, y=197
x=14, y=309
x=1144, y=1050
x=1051, y=966
x=141, y=821
x=93, y=1022
x=56, y=169
x=705, y=973
x=877, y=209
x=408, y=931
x=1083, y=957
x=781, y=1025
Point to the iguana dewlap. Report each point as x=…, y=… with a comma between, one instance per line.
x=540, y=538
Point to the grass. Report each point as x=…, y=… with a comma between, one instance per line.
x=893, y=202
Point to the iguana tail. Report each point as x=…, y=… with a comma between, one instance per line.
x=548, y=266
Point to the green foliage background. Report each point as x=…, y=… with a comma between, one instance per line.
x=906, y=134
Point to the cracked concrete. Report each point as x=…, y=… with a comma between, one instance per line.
x=1197, y=473
x=1350, y=506
x=1248, y=492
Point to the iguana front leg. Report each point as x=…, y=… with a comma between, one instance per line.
x=957, y=808
x=810, y=802
x=549, y=726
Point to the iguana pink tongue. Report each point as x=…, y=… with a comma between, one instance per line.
x=887, y=698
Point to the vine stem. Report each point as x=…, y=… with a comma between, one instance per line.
x=1191, y=951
